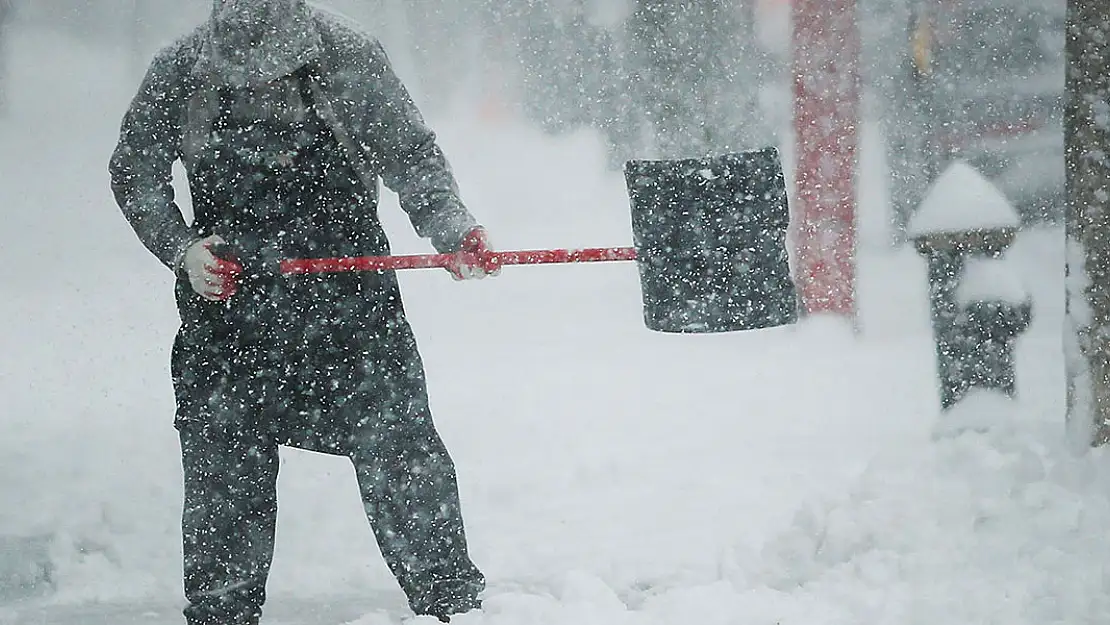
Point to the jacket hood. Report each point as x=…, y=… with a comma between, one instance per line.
x=246, y=43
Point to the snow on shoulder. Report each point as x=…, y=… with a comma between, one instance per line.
x=962, y=199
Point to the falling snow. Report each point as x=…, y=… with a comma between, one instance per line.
x=607, y=473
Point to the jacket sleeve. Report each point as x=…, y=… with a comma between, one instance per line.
x=141, y=167
x=400, y=144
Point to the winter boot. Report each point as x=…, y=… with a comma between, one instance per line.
x=446, y=607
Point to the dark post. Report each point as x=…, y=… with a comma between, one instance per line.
x=1087, y=141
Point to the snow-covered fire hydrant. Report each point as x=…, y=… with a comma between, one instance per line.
x=978, y=303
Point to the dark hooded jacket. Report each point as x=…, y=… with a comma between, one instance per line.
x=296, y=347
x=353, y=89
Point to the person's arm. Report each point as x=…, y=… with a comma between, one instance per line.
x=401, y=146
x=141, y=167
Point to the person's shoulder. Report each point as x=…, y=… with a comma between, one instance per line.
x=346, y=39
x=181, y=54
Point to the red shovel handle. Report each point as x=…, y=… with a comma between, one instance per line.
x=428, y=261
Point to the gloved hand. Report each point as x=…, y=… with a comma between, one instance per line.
x=473, y=259
x=215, y=278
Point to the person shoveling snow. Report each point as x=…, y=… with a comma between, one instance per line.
x=285, y=119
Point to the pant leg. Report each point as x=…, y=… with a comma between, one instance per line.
x=410, y=493
x=228, y=524
x=409, y=487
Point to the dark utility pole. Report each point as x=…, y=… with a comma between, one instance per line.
x=1087, y=140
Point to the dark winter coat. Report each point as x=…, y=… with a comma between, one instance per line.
x=307, y=359
x=356, y=92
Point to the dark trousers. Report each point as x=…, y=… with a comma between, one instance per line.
x=357, y=391
x=407, y=483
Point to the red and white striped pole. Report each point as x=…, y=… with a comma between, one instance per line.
x=825, y=71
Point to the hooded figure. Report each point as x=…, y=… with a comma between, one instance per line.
x=286, y=121
x=252, y=42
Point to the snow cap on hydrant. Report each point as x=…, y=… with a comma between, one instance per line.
x=962, y=199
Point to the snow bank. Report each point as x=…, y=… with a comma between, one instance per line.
x=994, y=523
x=1001, y=525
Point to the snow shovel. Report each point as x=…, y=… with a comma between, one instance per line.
x=710, y=242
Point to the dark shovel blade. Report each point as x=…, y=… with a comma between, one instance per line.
x=710, y=239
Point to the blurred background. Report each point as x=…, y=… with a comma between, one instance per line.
x=980, y=80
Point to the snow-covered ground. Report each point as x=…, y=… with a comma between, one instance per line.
x=609, y=474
